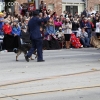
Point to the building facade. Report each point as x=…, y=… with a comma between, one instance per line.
x=94, y=4
x=25, y=1
x=2, y=6
x=71, y=6
x=54, y=5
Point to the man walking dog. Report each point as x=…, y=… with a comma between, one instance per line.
x=35, y=36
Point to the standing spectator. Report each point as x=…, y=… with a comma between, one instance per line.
x=8, y=38
x=98, y=29
x=41, y=6
x=92, y=11
x=58, y=24
x=7, y=28
x=95, y=20
x=85, y=12
x=62, y=18
x=54, y=15
x=91, y=23
x=75, y=26
x=16, y=31
x=76, y=15
x=20, y=8
x=44, y=13
x=67, y=27
x=1, y=23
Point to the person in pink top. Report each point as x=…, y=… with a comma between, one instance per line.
x=57, y=23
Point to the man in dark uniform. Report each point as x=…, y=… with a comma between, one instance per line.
x=35, y=36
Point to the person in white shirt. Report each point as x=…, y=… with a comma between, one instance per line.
x=98, y=29
x=67, y=27
x=92, y=11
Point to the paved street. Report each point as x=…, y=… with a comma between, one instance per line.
x=72, y=74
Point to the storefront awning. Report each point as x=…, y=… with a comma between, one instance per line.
x=73, y=1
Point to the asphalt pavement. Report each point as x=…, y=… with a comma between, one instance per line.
x=72, y=74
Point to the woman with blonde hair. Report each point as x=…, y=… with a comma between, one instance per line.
x=50, y=38
x=67, y=27
x=50, y=27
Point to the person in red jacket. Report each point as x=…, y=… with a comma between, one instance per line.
x=7, y=28
x=8, y=38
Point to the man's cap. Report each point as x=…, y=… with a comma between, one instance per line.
x=1, y=14
x=35, y=13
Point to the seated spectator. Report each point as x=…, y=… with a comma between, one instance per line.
x=50, y=39
x=50, y=27
x=60, y=34
x=84, y=38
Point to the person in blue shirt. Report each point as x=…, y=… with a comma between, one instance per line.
x=50, y=28
x=16, y=32
x=1, y=23
x=86, y=24
x=35, y=36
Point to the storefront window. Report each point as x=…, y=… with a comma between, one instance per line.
x=51, y=7
x=96, y=7
x=30, y=1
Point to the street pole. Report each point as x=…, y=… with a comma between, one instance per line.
x=86, y=3
x=37, y=3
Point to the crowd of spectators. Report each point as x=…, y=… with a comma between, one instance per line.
x=63, y=31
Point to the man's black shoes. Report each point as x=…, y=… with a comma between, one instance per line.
x=27, y=58
x=41, y=61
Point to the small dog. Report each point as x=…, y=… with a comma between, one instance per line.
x=23, y=49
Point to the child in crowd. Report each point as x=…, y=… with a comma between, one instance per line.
x=83, y=36
x=60, y=34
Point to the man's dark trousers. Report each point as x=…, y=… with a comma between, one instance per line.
x=36, y=44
